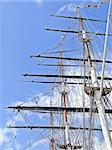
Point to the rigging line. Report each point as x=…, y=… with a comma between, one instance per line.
x=91, y=47
x=61, y=118
x=83, y=96
x=44, y=94
x=106, y=68
x=51, y=124
x=55, y=81
x=92, y=134
x=64, y=51
x=96, y=50
x=109, y=103
x=110, y=122
x=105, y=103
x=87, y=26
x=77, y=136
x=97, y=47
x=57, y=65
x=62, y=41
x=31, y=144
x=29, y=123
x=96, y=121
x=107, y=106
x=26, y=102
x=61, y=72
x=32, y=99
x=90, y=123
x=59, y=135
x=93, y=52
x=57, y=46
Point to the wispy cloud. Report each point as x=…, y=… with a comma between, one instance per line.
x=6, y=135
x=38, y=1
x=2, y=136
x=67, y=7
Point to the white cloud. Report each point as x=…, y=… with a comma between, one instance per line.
x=2, y=136
x=68, y=7
x=99, y=145
x=6, y=135
x=38, y=1
x=38, y=142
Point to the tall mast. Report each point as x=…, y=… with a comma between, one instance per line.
x=81, y=26
x=64, y=98
x=91, y=100
x=97, y=94
x=52, y=140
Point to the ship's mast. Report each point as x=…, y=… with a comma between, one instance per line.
x=64, y=99
x=80, y=29
x=98, y=94
x=52, y=140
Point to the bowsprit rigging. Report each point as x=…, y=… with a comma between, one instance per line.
x=73, y=114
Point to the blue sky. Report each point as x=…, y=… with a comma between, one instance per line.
x=22, y=34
